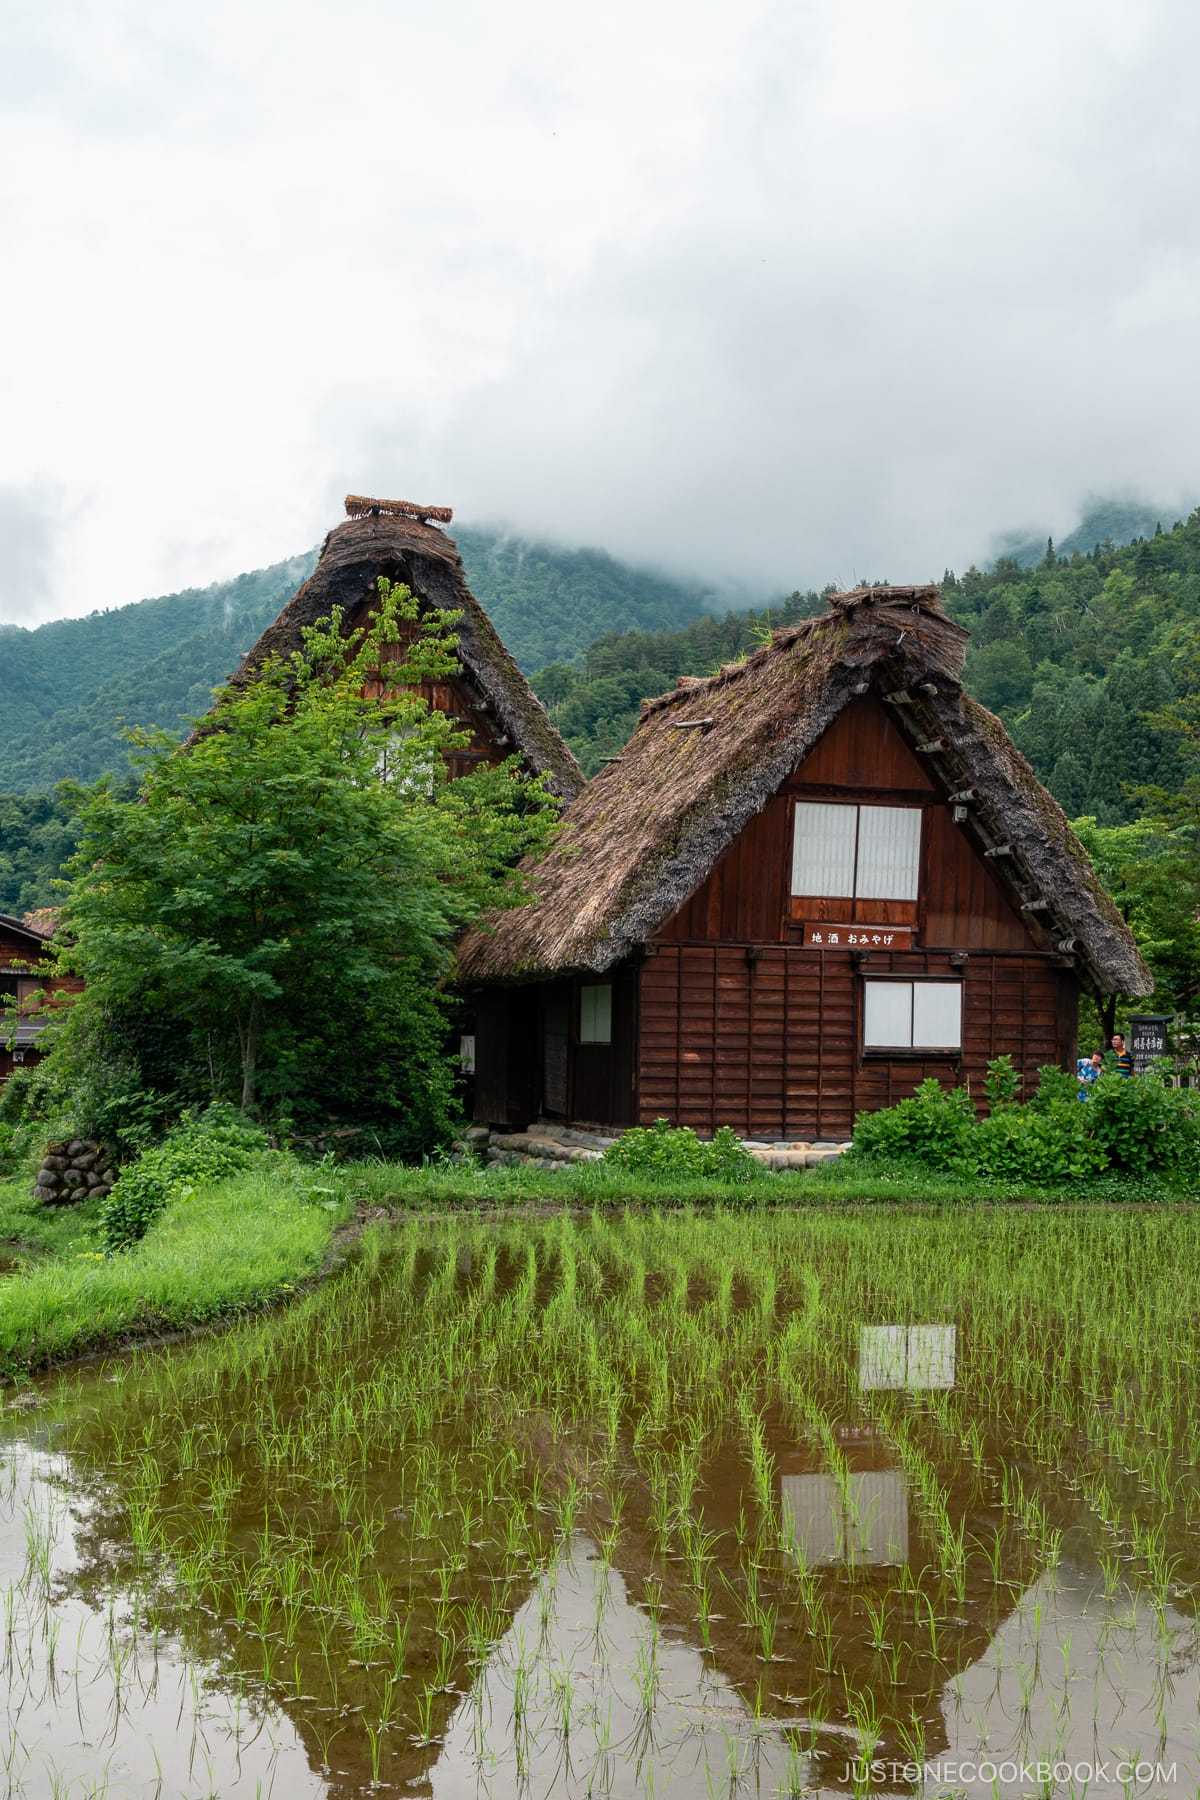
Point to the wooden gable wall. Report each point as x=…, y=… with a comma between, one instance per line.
x=747, y=897
x=457, y=697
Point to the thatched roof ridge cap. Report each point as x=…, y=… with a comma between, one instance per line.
x=359, y=506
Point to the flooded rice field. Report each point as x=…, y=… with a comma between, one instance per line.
x=701, y=1505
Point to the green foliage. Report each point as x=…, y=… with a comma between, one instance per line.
x=663, y=1150
x=270, y=919
x=1055, y=1087
x=1001, y=1083
x=1039, y=1146
x=8, y=1149
x=199, y=1152
x=1139, y=1126
x=37, y=836
x=933, y=1126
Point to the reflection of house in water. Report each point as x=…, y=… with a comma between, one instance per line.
x=906, y=1356
x=866, y=1521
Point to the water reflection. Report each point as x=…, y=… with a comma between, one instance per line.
x=584, y=1696
x=1074, y=1678
x=95, y=1701
x=915, y=1357
x=863, y=1520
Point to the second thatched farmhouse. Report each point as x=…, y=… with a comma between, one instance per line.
x=808, y=883
x=488, y=698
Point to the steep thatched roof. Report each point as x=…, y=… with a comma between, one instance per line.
x=706, y=758
x=394, y=538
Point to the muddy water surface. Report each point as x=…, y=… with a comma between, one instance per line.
x=779, y=1505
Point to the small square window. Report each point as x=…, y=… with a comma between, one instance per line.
x=595, y=1014
x=912, y=1015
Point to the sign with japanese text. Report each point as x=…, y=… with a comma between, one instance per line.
x=858, y=937
x=1147, y=1039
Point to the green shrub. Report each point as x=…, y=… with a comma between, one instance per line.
x=1142, y=1125
x=200, y=1151
x=8, y=1149
x=934, y=1126
x=1055, y=1086
x=660, y=1149
x=1040, y=1147
x=1001, y=1084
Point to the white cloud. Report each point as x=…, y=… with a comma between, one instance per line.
x=792, y=292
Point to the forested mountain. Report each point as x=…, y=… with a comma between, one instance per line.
x=549, y=603
x=1075, y=655
x=1112, y=521
x=66, y=687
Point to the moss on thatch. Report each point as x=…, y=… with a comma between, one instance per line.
x=646, y=830
x=393, y=538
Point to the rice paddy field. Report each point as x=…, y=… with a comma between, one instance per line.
x=717, y=1503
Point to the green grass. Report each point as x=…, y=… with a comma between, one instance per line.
x=838, y=1183
x=241, y=1245
x=229, y=1250
x=27, y=1228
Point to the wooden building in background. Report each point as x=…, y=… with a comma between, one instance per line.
x=489, y=698
x=808, y=883
x=25, y=987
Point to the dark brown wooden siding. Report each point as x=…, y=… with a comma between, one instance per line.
x=603, y=1075
x=458, y=699
x=747, y=897
x=767, y=1039
x=26, y=959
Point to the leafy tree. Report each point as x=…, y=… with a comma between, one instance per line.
x=1001, y=675
x=1151, y=869
x=284, y=892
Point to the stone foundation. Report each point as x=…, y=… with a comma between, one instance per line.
x=78, y=1170
x=560, y=1147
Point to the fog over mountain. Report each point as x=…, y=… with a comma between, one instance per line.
x=760, y=294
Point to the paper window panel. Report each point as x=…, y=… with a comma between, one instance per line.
x=887, y=1015
x=595, y=1015
x=889, y=852
x=823, y=849
x=937, y=1015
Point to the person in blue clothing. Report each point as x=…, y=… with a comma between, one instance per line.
x=1088, y=1070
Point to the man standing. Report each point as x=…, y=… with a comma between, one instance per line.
x=1122, y=1060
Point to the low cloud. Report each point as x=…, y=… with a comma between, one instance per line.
x=774, y=295
x=30, y=527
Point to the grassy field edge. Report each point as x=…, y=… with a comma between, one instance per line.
x=223, y=1252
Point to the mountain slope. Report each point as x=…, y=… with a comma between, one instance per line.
x=67, y=687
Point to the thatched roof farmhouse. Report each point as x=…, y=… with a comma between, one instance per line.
x=405, y=542
x=715, y=859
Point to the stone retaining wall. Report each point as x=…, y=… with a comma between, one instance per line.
x=561, y=1147
x=78, y=1170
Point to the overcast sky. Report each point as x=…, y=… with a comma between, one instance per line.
x=787, y=293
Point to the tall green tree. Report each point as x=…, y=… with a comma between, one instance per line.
x=277, y=907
